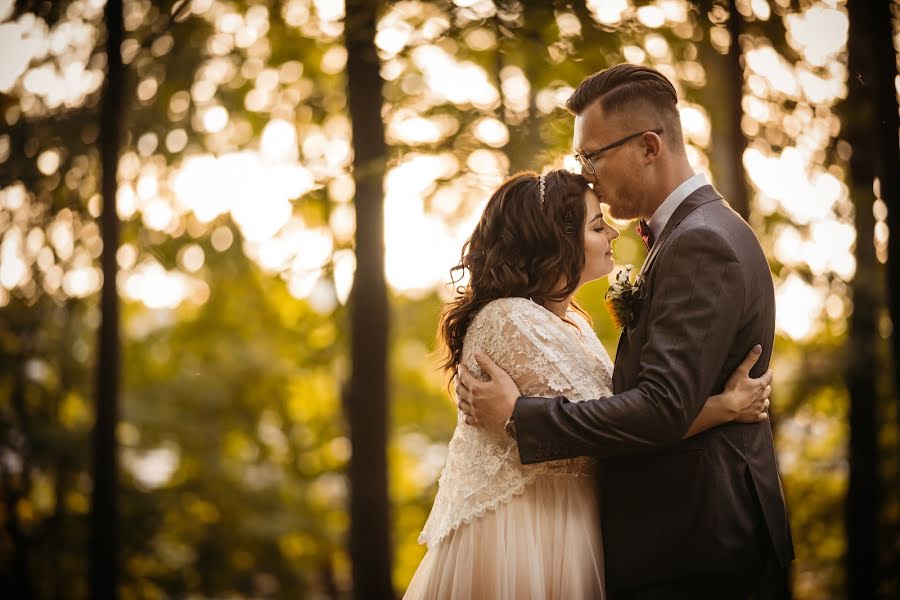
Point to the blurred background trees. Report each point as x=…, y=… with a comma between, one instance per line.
x=247, y=377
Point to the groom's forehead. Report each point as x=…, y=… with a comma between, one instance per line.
x=593, y=126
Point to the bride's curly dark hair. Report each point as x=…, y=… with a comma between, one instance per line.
x=520, y=248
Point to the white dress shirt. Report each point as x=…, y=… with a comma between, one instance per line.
x=662, y=215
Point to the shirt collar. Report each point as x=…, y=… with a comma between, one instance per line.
x=687, y=187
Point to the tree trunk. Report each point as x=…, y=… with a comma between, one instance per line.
x=889, y=175
x=104, y=571
x=367, y=398
x=16, y=487
x=62, y=468
x=863, y=496
x=723, y=94
x=525, y=143
x=888, y=158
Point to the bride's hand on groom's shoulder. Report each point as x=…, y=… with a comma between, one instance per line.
x=745, y=397
x=489, y=403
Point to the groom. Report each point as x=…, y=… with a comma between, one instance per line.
x=696, y=518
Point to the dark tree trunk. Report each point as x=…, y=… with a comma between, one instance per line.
x=737, y=143
x=68, y=369
x=104, y=570
x=525, y=141
x=723, y=94
x=367, y=398
x=16, y=487
x=888, y=125
x=889, y=176
x=864, y=493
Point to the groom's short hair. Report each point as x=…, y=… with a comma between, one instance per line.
x=629, y=86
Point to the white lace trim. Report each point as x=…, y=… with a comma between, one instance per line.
x=546, y=357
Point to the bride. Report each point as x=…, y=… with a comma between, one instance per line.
x=498, y=528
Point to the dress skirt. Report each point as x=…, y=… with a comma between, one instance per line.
x=540, y=545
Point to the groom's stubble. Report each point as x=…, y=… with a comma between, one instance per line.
x=628, y=201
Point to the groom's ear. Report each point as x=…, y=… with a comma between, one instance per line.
x=652, y=147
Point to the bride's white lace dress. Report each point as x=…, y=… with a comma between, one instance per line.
x=501, y=529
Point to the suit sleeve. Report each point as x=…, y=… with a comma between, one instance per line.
x=694, y=314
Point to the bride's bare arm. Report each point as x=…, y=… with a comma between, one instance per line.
x=745, y=399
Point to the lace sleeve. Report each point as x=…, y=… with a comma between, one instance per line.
x=483, y=469
x=522, y=338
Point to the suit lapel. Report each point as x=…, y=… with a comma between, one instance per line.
x=698, y=198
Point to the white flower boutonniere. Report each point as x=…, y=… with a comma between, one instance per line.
x=623, y=299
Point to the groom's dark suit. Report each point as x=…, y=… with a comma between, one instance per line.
x=710, y=505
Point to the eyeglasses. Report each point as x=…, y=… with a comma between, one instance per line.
x=587, y=160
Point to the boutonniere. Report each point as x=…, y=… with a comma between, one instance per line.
x=623, y=299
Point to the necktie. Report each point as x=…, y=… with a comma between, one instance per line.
x=643, y=230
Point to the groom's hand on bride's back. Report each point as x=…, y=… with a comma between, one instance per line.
x=489, y=403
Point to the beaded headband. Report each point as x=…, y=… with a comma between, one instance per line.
x=542, y=182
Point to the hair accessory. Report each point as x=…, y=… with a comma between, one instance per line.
x=542, y=183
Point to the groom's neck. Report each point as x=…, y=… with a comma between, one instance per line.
x=669, y=178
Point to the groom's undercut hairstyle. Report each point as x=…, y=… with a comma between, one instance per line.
x=634, y=91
